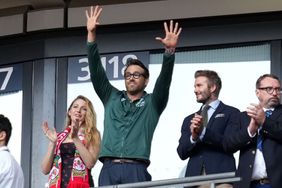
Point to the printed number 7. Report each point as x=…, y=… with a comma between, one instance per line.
x=9, y=71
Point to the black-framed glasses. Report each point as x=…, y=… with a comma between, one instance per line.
x=270, y=90
x=135, y=75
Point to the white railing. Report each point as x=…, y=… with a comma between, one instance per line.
x=211, y=179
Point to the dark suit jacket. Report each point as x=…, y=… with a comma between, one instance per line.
x=239, y=139
x=208, y=151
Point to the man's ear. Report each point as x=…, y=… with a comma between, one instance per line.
x=257, y=92
x=2, y=135
x=146, y=82
x=213, y=88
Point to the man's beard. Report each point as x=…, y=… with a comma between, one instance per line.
x=273, y=102
x=134, y=90
x=203, y=100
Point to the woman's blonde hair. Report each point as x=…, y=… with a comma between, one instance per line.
x=92, y=135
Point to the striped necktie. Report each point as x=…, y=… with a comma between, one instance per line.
x=268, y=113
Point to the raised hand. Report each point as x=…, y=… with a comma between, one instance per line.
x=171, y=35
x=92, y=18
x=92, y=22
x=50, y=134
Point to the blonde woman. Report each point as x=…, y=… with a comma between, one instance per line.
x=73, y=153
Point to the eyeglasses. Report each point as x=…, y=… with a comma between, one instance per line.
x=270, y=90
x=135, y=75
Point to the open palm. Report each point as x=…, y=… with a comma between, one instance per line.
x=50, y=134
x=92, y=18
x=171, y=35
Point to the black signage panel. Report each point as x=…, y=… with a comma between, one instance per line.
x=10, y=78
x=114, y=64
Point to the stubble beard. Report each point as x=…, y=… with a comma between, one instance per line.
x=273, y=102
x=134, y=90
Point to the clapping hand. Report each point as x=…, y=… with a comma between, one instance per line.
x=256, y=112
x=50, y=134
x=74, y=128
x=196, y=126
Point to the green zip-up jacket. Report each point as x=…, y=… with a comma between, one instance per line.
x=129, y=125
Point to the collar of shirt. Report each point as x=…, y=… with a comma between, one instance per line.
x=125, y=96
x=213, y=106
x=264, y=109
x=4, y=148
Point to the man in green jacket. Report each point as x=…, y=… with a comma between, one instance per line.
x=131, y=116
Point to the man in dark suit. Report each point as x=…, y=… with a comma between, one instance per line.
x=259, y=138
x=202, y=133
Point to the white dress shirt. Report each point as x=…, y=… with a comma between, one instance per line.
x=11, y=174
x=259, y=169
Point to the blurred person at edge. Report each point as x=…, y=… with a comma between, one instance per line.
x=259, y=138
x=72, y=154
x=11, y=174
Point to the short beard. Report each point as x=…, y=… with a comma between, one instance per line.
x=136, y=91
x=273, y=103
x=203, y=101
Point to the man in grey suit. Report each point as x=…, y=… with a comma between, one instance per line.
x=202, y=132
x=259, y=138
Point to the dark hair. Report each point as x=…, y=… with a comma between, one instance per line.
x=131, y=61
x=213, y=78
x=266, y=76
x=6, y=126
